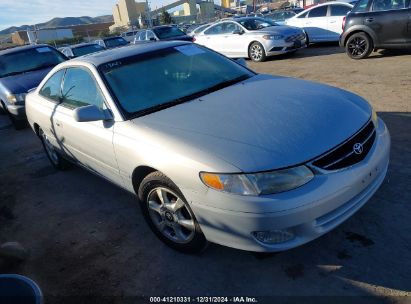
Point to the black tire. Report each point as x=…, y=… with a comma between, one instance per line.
x=256, y=52
x=307, y=40
x=359, y=46
x=18, y=124
x=164, y=220
x=53, y=155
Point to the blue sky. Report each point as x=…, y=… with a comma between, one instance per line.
x=19, y=12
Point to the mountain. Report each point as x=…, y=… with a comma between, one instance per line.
x=57, y=22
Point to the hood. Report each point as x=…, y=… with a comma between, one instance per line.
x=264, y=123
x=280, y=29
x=22, y=83
x=182, y=38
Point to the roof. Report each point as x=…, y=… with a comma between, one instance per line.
x=99, y=58
x=22, y=48
x=81, y=45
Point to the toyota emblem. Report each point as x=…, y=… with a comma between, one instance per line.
x=358, y=148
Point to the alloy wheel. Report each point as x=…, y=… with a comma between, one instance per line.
x=357, y=46
x=50, y=150
x=170, y=215
x=256, y=52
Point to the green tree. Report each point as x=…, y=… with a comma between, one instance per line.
x=165, y=17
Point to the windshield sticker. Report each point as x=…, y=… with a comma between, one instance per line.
x=43, y=50
x=189, y=50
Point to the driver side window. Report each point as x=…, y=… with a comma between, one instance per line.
x=80, y=89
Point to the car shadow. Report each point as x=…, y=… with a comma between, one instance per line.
x=313, y=50
x=389, y=53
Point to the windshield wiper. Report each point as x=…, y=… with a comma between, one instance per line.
x=180, y=100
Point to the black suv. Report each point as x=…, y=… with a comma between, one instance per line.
x=376, y=24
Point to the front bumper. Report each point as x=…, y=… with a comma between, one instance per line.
x=277, y=48
x=18, y=111
x=308, y=212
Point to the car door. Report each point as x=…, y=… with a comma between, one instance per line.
x=233, y=40
x=316, y=24
x=389, y=19
x=213, y=38
x=50, y=98
x=88, y=143
x=335, y=19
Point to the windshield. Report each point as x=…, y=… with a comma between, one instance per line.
x=29, y=60
x=86, y=49
x=168, y=32
x=115, y=42
x=150, y=82
x=253, y=24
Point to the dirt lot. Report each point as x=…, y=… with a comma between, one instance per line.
x=87, y=237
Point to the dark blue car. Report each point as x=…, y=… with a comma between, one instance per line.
x=22, y=69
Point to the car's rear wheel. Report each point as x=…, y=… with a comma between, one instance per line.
x=53, y=155
x=359, y=46
x=169, y=215
x=256, y=52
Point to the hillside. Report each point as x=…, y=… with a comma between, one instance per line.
x=57, y=22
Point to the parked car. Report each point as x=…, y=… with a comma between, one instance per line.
x=194, y=29
x=22, y=69
x=214, y=151
x=376, y=24
x=81, y=49
x=162, y=32
x=111, y=42
x=129, y=35
x=251, y=37
x=322, y=22
x=280, y=16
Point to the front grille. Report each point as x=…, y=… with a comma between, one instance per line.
x=344, y=155
x=295, y=37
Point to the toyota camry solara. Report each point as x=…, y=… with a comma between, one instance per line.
x=213, y=151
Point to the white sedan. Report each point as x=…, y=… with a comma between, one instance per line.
x=251, y=37
x=322, y=22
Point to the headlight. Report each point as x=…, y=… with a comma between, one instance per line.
x=258, y=183
x=273, y=37
x=16, y=98
x=374, y=118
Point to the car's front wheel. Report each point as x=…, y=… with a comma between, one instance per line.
x=169, y=215
x=359, y=46
x=256, y=52
x=53, y=155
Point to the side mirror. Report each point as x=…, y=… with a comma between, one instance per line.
x=241, y=61
x=238, y=32
x=91, y=113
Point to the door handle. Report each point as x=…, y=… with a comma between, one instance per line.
x=369, y=19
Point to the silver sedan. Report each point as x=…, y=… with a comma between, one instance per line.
x=213, y=151
x=251, y=37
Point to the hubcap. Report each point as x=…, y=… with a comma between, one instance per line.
x=170, y=215
x=256, y=52
x=51, y=152
x=357, y=46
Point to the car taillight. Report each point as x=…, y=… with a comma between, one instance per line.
x=343, y=23
x=194, y=39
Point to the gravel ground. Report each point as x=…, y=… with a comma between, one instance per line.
x=87, y=237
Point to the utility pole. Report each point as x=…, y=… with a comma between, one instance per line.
x=150, y=22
